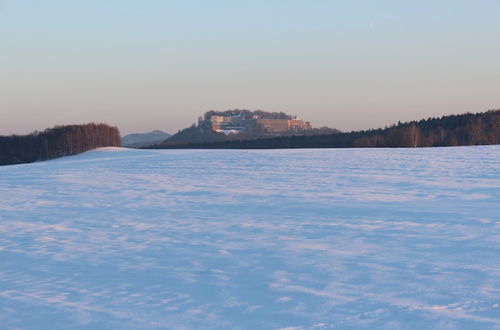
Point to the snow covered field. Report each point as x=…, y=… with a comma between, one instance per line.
x=313, y=239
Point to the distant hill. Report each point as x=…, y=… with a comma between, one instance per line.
x=137, y=140
x=241, y=124
x=454, y=130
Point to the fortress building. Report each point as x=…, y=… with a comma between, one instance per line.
x=234, y=124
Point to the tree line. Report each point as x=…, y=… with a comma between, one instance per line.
x=454, y=130
x=56, y=142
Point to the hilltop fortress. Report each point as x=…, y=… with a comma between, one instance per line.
x=244, y=121
x=240, y=124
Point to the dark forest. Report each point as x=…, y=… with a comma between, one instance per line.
x=454, y=130
x=56, y=142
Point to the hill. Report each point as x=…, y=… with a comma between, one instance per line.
x=241, y=124
x=137, y=140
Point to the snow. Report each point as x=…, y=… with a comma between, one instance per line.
x=275, y=239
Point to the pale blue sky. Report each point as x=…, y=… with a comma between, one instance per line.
x=144, y=65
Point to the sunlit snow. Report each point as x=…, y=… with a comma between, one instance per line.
x=300, y=239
